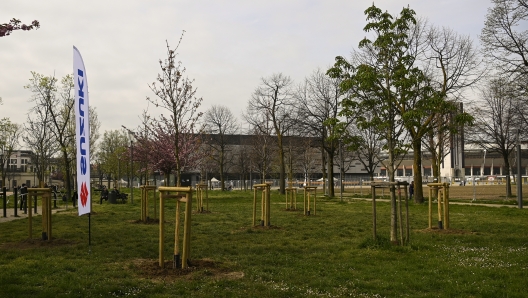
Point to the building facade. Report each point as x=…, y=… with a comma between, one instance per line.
x=21, y=170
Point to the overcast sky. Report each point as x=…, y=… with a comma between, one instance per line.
x=227, y=48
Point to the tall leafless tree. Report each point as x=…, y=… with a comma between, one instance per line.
x=505, y=38
x=497, y=122
x=319, y=100
x=242, y=163
x=453, y=65
x=219, y=123
x=273, y=101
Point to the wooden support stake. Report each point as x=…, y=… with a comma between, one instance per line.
x=48, y=217
x=177, y=237
x=254, y=205
x=430, y=208
x=400, y=215
x=448, y=221
x=439, y=199
x=186, y=197
x=262, y=206
x=373, y=190
x=161, y=230
x=408, y=224
x=446, y=206
x=44, y=218
x=307, y=199
x=265, y=204
x=187, y=231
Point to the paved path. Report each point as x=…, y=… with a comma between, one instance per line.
x=481, y=204
x=10, y=212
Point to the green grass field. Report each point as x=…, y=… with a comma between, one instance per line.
x=332, y=254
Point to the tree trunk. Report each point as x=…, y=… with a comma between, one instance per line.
x=167, y=177
x=330, y=165
x=282, y=174
x=417, y=169
x=222, y=179
x=508, y=180
x=68, y=173
x=394, y=214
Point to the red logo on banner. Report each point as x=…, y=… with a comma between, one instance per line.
x=84, y=194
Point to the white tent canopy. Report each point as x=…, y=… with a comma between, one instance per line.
x=214, y=180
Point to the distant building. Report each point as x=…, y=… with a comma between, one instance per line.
x=21, y=169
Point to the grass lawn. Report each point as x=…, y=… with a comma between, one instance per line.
x=485, y=254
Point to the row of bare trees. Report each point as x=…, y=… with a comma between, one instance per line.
x=500, y=115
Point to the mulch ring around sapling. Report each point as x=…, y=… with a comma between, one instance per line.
x=198, y=269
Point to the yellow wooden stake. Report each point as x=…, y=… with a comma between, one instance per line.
x=439, y=199
x=430, y=208
x=265, y=203
x=307, y=199
x=44, y=217
x=30, y=215
x=262, y=206
x=374, y=226
x=187, y=231
x=254, y=206
x=446, y=206
x=177, y=236
x=48, y=216
x=176, y=193
x=400, y=215
x=161, y=230
x=443, y=202
x=268, y=206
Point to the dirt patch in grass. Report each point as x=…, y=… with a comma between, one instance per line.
x=34, y=243
x=444, y=231
x=198, y=269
